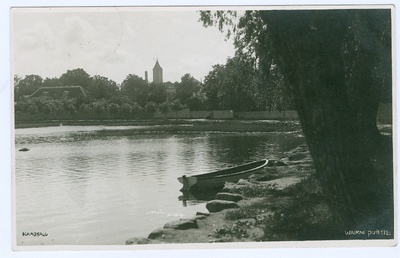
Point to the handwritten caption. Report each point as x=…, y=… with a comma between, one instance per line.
x=34, y=234
x=368, y=233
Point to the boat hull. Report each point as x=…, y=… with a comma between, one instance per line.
x=217, y=179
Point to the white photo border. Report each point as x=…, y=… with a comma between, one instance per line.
x=298, y=249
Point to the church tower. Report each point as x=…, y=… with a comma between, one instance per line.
x=157, y=73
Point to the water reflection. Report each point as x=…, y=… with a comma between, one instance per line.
x=238, y=149
x=82, y=187
x=195, y=196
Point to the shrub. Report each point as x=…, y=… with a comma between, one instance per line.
x=126, y=108
x=164, y=107
x=136, y=108
x=235, y=231
x=151, y=107
x=114, y=108
x=307, y=216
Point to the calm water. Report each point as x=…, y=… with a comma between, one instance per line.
x=80, y=185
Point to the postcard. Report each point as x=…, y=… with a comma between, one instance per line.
x=203, y=127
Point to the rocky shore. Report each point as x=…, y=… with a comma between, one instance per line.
x=241, y=211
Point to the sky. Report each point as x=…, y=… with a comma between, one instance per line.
x=114, y=42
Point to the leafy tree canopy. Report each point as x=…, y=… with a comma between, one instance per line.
x=186, y=88
x=231, y=86
x=250, y=36
x=102, y=87
x=51, y=82
x=136, y=88
x=77, y=77
x=27, y=85
x=157, y=93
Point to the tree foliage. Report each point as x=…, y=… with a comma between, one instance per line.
x=102, y=88
x=231, y=86
x=103, y=96
x=27, y=85
x=165, y=107
x=52, y=82
x=151, y=107
x=76, y=77
x=248, y=32
x=187, y=88
x=136, y=88
x=336, y=65
x=250, y=37
x=157, y=93
x=176, y=105
x=46, y=105
x=195, y=103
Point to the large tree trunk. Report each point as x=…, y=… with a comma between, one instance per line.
x=337, y=112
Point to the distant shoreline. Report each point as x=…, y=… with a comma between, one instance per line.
x=177, y=124
x=187, y=125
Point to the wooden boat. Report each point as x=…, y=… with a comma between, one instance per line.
x=218, y=178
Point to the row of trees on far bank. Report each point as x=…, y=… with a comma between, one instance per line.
x=236, y=85
x=134, y=95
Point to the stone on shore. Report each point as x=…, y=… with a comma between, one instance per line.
x=236, y=187
x=243, y=182
x=297, y=157
x=271, y=175
x=202, y=213
x=276, y=163
x=220, y=205
x=280, y=163
x=157, y=233
x=139, y=241
x=182, y=224
x=229, y=197
x=196, y=217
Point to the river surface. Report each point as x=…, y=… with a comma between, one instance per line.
x=90, y=185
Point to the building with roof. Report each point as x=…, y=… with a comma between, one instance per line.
x=157, y=73
x=60, y=92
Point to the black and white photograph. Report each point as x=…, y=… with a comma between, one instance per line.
x=203, y=126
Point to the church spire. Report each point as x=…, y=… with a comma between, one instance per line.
x=157, y=73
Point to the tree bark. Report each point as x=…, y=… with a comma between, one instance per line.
x=337, y=114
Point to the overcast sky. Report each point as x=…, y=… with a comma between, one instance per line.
x=115, y=42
